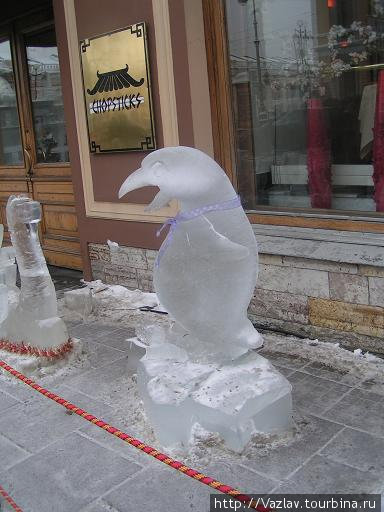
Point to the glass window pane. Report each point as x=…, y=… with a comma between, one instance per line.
x=46, y=96
x=308, y=92
x=11, y=151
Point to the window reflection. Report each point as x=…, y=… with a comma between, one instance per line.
x=308, y=93
x=46, y=96
x=11, y=152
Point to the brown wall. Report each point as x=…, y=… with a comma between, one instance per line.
x=181, y=71
x=108, y=171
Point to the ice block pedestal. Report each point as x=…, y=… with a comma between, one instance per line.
x=238, y=400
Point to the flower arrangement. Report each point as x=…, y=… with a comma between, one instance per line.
x=377, y=7
x=352, y=44
x=348, y=47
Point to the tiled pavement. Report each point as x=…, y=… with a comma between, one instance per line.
x=51, y=461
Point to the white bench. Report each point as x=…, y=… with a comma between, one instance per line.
x=343, y=175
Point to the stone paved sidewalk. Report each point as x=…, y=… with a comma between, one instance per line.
x=52, y=461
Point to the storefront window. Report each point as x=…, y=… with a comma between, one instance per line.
x=11, y=151
x=308, y=92
x=46, y=96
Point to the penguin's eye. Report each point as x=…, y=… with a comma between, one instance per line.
x=157, y=169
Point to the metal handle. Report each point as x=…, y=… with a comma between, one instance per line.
x=29, y=163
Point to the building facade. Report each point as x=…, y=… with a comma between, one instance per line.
x=288, y=97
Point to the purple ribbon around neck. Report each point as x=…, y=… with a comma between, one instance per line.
x=173, y=222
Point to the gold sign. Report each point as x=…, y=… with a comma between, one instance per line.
x=117, y=91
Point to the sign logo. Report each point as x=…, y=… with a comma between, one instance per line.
x=114, y=80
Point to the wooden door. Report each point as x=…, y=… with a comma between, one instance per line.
x=34, y=156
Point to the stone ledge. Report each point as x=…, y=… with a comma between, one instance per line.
x=318, y=250
x=325, y=235
x=319, y=244
x=327, y=266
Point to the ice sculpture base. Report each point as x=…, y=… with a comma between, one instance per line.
x=21, y=326
x=39, y=367
x=49, y=333
x=237, y=400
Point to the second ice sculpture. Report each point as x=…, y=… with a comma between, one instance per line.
x=29, y=321
x=203, y=370
x=7, y=274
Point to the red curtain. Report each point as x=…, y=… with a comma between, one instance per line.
x=378, y=145
x=318, y=156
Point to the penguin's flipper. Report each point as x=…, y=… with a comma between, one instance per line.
x=207, y=242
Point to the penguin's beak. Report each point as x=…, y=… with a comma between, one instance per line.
x=144, y=178
x=137, y=179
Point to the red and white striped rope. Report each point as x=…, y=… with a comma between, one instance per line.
x=179, y=466
x=9, y=500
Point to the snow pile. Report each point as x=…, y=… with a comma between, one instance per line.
x=112, y=303
x=113, y=246
x=359, y=364
x=41, y=367
x=117, y=304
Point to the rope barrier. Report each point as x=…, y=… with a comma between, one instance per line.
x=179, y=466
x=9, y=500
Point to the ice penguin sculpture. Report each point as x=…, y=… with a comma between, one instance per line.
x=204, y=369
x=206, y=270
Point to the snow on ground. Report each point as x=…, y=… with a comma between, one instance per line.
x=113, y=304
x=117, y=304
x=357, y=363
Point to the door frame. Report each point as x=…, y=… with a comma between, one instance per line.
x=37, y=179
